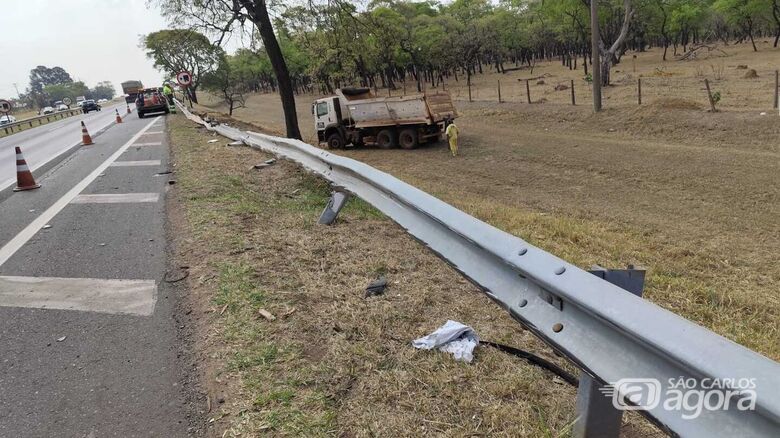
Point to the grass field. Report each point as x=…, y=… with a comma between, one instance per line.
x=693, y=196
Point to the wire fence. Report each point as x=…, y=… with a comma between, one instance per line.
x=737, y=89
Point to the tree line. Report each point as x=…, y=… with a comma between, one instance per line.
x=326, y=44
x=53, y=84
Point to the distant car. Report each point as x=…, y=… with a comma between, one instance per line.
x=90, y=105
x=151, y=100
x=102, y=100
x=62, y=107
x=47, y=110
x=4, y=120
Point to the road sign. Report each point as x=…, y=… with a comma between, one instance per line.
x=5, y=106
x=67, y=101
x=184, y=78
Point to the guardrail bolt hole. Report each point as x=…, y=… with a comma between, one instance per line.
x=522, y=303
x=557, y=327
x=560, y=270
x=522, y=251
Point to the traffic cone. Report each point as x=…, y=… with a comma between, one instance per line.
x=118, y=119
x=86, y=140
x=128, y=109
x=24, y=178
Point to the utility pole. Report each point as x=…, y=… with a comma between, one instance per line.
x=19, y=95
x=594, y=43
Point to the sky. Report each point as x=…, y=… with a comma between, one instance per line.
x=93, y=40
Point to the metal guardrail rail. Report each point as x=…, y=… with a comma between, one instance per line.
x=607, y=332
x=8, y=128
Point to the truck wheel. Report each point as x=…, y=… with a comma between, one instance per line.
x=385, y=139
x=140, y=114
x=407, y=138
x=335, y=141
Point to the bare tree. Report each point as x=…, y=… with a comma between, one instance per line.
x=219, y=17
x=611, y=56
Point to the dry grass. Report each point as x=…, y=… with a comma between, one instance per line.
x=334, y=362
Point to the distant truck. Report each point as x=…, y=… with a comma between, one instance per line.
x=355, y=116
x=131, y=90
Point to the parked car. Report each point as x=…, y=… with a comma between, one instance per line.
x=90, y=105
x=150, y=100
x=62, y=107
x=47, y=110
x=6, y=119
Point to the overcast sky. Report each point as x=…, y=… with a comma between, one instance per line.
x=93, y=40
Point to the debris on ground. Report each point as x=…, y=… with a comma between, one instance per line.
x=177, y=275
x=213, y=140
x=376, y=287
x=266, y=314
x=561, y=87
x=61, y=339
x=750, y=74
x=453, y=337
x=46, y=227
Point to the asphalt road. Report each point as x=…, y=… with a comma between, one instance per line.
x=88, y=333
x=46, y=142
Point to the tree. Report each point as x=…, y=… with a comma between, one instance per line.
x=40, y=77
x=611, y=56
x=226, y=81
x=103, y=90
x=176, y=50
x=56, y=92
x=745, y=14
x=220, y=16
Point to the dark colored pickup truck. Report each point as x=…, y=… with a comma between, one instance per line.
x=151, y=100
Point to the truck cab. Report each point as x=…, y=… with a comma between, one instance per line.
x=328, y=121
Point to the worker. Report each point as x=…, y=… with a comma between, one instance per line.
x=452, y=136
x=168, y=92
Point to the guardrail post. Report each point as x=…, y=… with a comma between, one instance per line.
x=596, y=417
x=336, y=202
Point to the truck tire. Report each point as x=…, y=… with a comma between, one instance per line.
x=140, y=114
x=408, y=139
x=335, y=141
x=386, y=139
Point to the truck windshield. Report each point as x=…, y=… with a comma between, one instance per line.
x=322, y=108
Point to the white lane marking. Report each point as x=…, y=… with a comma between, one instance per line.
x=26, y=234
x=153, y=132
x=116, y=198
x=136, y=297
x=154, y=143
x=136, y=163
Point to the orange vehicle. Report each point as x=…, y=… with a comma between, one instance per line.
x=151, y=100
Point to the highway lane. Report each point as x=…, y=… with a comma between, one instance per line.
x=43, y=143
x=88, y=327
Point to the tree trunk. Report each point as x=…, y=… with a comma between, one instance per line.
x=259, y=15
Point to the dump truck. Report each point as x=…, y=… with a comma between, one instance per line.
x=131, y=90
x=356, y=116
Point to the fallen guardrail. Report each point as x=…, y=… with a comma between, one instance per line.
x=8, y=128
x=648, y=359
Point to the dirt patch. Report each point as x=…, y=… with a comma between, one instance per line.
x=750, y=74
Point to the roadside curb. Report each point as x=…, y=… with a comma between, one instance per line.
x=42, y=171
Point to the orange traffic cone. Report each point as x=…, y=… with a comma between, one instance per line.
x=24, y=178
x=86, y=140
x=128, y=109
x=118, y=119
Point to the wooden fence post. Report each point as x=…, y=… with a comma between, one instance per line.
x=468, y=82
x=709, y=95
x=527, y=91
x=639, y=91
x=572, y=91
x=775, y=93
x=499, y=91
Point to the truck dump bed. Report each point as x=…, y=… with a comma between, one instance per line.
x=366, y=111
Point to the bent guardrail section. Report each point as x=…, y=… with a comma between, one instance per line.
x=607, y=332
